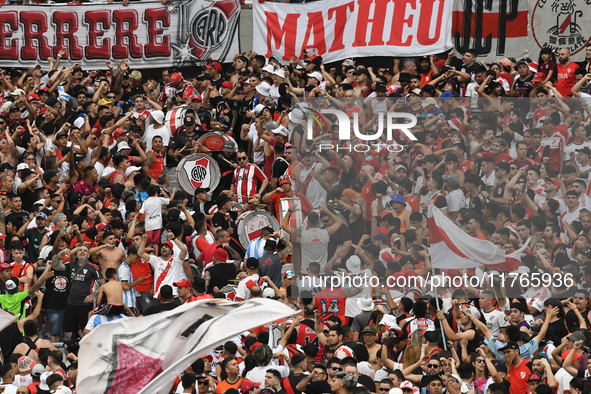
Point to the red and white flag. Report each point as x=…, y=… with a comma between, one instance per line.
x=146, y=354
x=6, y=319
x=453, y=248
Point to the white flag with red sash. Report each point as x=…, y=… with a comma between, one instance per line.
x=453, y=248
x=146, y=354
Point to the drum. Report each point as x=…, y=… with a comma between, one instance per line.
x=175, y=118
x=250, y=225
x=218, y=142
x=198, y=170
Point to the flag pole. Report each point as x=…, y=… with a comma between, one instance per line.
x=429, y=214
x=438, y=307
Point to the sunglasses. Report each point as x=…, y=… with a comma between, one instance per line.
x=241, y=158
x=479, y=361
x=110, y=97
x=339, y=369
x=2, y=122
x=381, y=389
x=432, y=365
x=203, y=382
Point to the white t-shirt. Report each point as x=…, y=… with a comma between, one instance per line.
x=173, y=274
x=563, y=379
x=455, y=201
x=151, y=132
x=244, y=286
x=257, y=374
x=258, y=156
x=22, y=380
x=153, y=209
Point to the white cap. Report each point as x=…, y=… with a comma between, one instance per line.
x=263, y=89
x=395, y=390
x=316, y=75
x=43, y=380
x=296, y=115
x=122, y=145
x=79, y=122
x=428, y=101
x=269, y=68
x=366, y=304
x=354, y=264
x=158, y=116
x=17, y=92
x=365, y=368
x=280, y=73
x=281, y=130
x=22, y=166
x=258, y=108
x=268, y=293
x=131, y=169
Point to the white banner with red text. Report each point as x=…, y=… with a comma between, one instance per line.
x=496, y=29
x=339, y=29
x=150, y=35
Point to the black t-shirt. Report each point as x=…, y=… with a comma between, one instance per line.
x=220, y=274
x=161, y=307
x=279, y=167
x=292, y=381
x=57, y=290
x=2, y=287
x=318, y=387
x=523, y=87
x=477, y=203
x=220, y=220
x=28, y=197
x=223, y=110
x=270, y=265
x=82, y=278
x=499, y=190
x=342, y=235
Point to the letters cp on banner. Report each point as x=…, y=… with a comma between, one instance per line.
x=343, y=28
x=150, y=35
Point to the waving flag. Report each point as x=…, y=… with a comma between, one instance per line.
x=145, y=354
x=451, y=247
x=6, y=319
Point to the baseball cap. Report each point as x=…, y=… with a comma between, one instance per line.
x=189, y=121
x=406, y=385
x=538, y=77
x=131, y=169
x=370, y=329
x=452, y=180
x=511, y=345
x=200, y=190
x=122, y=145
x=183, y=283
x=288, y=274
x=5, y=266
x=316, y=75
x=380, y=87
x=534, y=377
x=268, y=293
x=215, y=65
x=12, y=285
x=246, y=386
x=41, y=215
x=37, y=370
x=429, y=101
x=227, y=84
x=176, y=78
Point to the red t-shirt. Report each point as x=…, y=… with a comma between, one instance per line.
x=566, y=78
x=498, y=159
x=518, y=378
x=142, y=268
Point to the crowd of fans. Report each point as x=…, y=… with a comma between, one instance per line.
x=93, y=232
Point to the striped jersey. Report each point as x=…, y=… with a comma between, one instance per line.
x=124, y=274
x=245, y=181
x=97, y=320
x=256, y=248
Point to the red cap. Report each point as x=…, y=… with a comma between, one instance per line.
x=117, y=133
x=533, y=377
x=176, y=77
x=227, y=84
x=196, y=96
x=2, y=236
x=4, y=266
x=575, y=357
x=215, y=65
x=538, y=77
x=220, y=254
x=169, y=244
x=384, y=152
x=246, y=386
x=45, y=89
x=254, y=346
x=208, y=357
x=555, y=181
x=101, y=226
x=183, y=283
x=32, y=96
x=372, y=162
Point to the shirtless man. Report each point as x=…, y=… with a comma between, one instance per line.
x=109, y=255
x=370, y=336
x=32, y=343
x=110, y=297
